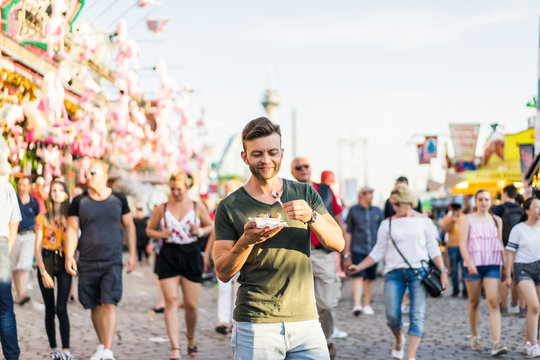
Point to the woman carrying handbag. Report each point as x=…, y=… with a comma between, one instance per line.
x=407, y=238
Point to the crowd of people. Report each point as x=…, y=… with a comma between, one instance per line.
x=278, y=285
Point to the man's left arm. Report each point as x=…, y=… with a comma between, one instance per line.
x=325, y=227
x=130, y=236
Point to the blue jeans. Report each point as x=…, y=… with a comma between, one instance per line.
x=395, y=283
x=8, y=326
x=456, y=264
x=301, y=340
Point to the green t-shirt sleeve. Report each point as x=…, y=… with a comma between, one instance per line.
x=314, y=200
x=223, y=225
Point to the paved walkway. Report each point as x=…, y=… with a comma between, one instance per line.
x=141, y=333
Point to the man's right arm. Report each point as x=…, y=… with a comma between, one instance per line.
x=230, y=257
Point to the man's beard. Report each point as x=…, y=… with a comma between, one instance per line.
x=267, y=176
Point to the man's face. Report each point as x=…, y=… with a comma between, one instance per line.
x=24, y=186
x=96, y=177
x=263, y=156
x=368, y=197
x=301, y=170
x=365, y=198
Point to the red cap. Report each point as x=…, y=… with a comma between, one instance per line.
x=328, y=177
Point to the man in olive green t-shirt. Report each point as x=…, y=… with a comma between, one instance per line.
x=275, y=315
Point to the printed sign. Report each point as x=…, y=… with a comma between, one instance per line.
x=464, y=137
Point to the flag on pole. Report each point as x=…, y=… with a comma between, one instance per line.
x=156, y=25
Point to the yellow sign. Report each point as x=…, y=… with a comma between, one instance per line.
x=512, y=142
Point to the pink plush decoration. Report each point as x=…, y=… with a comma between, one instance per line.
x=51, y=102
x=128, y=50
x=53, y=30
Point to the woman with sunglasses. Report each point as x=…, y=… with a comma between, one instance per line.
x=179, y=263
x=49, y=249
x=482, y=251
x=524, y=256
x=416, y=238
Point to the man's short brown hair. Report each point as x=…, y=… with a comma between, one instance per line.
x=259, y=127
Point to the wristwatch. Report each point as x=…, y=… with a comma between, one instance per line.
x=444, y=270
x=313, y=218
x=345, y=256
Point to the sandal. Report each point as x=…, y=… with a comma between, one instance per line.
x=398, y=354
x=192, y=351
x=178, y=357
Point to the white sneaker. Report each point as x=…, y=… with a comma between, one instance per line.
x=338, y=334
x=513, y=309
x=534, y=351
x=107, y=355
x=368, y=310
x=357, y=310
x=526, y=347
x=99, y=353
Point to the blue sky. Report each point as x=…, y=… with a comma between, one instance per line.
x=380, y=70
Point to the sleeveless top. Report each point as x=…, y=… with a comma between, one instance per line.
x=483, y=242
x=180, y=229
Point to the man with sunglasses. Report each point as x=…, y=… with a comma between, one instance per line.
x=326, y=280
x=101, y=214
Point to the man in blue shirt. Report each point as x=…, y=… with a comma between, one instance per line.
x=363, y=222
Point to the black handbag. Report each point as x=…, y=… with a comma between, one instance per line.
x=432, y=280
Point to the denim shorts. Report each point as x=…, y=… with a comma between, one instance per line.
x=484, y=271
x=300, y=340
x=527, y=271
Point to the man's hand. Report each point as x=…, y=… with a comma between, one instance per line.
x=130, y=264
x=71, y=266
x=345, y=263
x=298, y=210
x=254, y=235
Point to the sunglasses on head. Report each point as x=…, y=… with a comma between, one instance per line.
x=299, y=167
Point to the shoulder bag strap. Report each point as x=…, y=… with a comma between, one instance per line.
x=399, y=252
x=164, y=211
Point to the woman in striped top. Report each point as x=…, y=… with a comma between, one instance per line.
x=483, y=253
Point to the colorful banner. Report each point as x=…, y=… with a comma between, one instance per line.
x=422, y=158
x=430, y=147
x=464, y=137
x=526, y=157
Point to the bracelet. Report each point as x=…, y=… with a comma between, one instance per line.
x=201, y=232
x=444, y=270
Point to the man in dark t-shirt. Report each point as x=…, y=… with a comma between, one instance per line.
x=100, y=214
x=275, y=307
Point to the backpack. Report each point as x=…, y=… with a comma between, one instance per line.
x=510, y=218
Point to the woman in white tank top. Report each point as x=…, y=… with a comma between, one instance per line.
x=179, y=263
